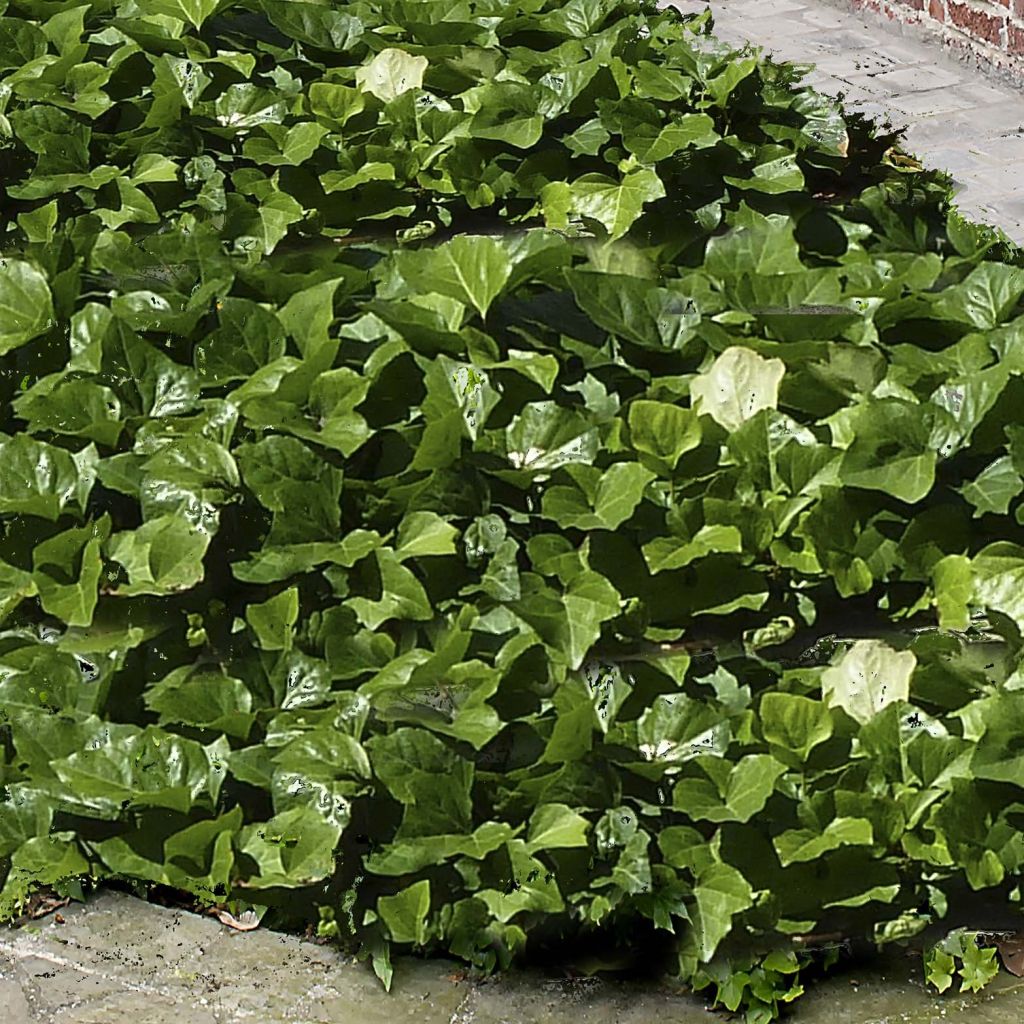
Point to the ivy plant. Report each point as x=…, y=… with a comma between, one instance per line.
x=481, y=473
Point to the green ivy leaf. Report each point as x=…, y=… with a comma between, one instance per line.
x=273, y=620
x=998, y=571
x=979, y=967
x=424, y=533
x=26, y=304
x=472, y=270
x=614, y=205
x=195, y=12
x=55, y=859
x=423, y=773
x=601, y=501
x=72, y=555
x=142, y=768
x=391, y=73
x=209, y=699
x=939, y=967
x=666, y=553
x=411, y=855
x=993, y=488
x=720, y=894
x=728, y=792
x=953, y=583
x=162, y=556
x=556, y=826
x=983, y=297
x=737, y=386
x=794, y=722
x=405, y=913
x=868, y=677
x=798, y=845
x=40, y=479
x=663, y=430
x=766, y=246
x=402, y=597
x=293, y=849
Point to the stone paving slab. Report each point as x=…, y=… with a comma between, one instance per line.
x=120, y=960
x=957, y=118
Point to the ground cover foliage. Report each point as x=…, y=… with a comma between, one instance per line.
x=439, y=440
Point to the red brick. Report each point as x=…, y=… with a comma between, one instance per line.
x=1005, y=3
x=1018, y=8
x=937, y=9
x=917, y=5
x=976, y=21
x=1014, y=39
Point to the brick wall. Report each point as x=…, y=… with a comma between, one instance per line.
x=987, y=33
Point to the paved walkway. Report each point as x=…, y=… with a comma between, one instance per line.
x=958, y=119
x=120, y=960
